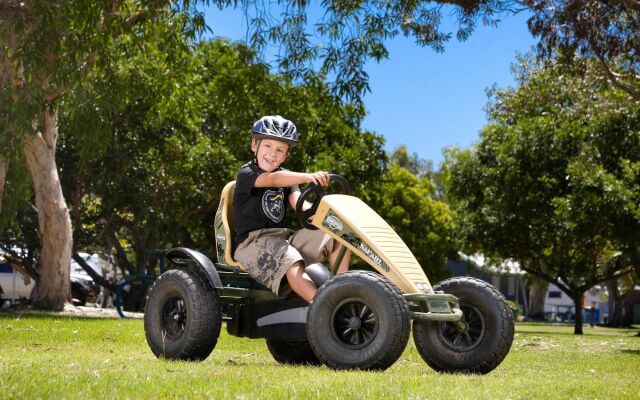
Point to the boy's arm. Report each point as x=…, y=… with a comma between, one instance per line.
x=290, y=178
x=293, y=200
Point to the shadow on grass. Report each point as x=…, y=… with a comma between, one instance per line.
x=630, y=351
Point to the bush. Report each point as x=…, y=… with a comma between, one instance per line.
x=515, y=308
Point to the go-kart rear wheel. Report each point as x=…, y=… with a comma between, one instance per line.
x=182, y=316
x=481, y=343
x=358, y=320
x=294, y=352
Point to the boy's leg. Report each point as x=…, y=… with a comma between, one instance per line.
x=300, y=282
x=267, y=256
x=316, y=246
x=344, y=264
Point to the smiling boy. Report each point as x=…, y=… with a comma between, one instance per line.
x=267, y=248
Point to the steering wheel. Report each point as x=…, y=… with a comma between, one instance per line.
x=304, y=215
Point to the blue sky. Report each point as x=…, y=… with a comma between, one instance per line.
x=426, y=100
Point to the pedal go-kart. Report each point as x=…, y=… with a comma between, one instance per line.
x=358, y=320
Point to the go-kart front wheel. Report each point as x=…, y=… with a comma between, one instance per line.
x=480, y=343
x=182, y=316
x=358, y=320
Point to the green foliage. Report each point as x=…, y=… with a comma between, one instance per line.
x=554, y=182
x=515, y=308
x=47, y=50
x=425, y=224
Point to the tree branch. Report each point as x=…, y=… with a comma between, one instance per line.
x=612, y=275
x=613, y=78
x=23, y=262
x=121, y=254
x=564, y=286
x=4, y=167
x=146, y=14
x=111, y=11
x=542, y=275
x=99, y=279
x=111, y=8
x=629, y=4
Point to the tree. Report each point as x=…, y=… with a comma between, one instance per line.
x=48, y=47
x=607, y=31
x=412, y=163
x=537, y=294
x=554, y=182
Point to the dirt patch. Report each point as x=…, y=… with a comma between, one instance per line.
x=71, y=310
x=83, y=311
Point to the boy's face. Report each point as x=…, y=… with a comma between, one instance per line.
x=270, y=153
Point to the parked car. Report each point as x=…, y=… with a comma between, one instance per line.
x=14, y=286
x=83, y=287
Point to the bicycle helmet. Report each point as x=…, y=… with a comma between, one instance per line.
x=275, y=127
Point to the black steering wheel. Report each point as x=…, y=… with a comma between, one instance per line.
x=304, y=215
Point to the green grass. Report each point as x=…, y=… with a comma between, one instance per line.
x=51, y=356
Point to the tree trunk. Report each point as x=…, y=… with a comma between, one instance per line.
x=4, y=167
x=537, y=295
x=54, y=222
x=577, y=301
x=615, y=305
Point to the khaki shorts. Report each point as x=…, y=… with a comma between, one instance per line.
x=267, y=254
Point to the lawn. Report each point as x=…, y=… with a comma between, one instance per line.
x=54, y=356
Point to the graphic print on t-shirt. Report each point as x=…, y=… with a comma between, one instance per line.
x=273, y=204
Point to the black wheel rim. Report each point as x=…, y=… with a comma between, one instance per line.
x=466, y=337
x=174, y=318
x=354, y=323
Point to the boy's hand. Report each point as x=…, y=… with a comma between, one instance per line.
x=319, y=178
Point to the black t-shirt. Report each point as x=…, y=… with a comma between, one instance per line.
x=257, y=207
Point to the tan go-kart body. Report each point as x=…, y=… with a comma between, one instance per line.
x=354, y=224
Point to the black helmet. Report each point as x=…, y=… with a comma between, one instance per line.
x=275, y=127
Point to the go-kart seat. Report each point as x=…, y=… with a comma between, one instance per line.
x=226, y=203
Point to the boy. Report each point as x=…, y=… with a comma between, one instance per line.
x=266, y=247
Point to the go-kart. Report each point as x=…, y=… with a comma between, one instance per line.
x=358, y=319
